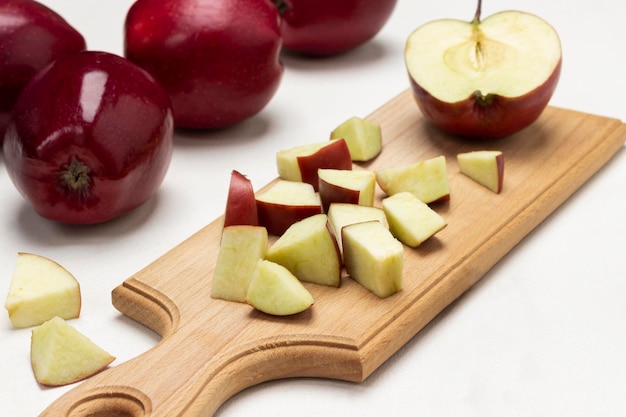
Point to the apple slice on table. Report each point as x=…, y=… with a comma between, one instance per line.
x=40, y=290
x=484, y=167
x=411, y=220
x=61, y=355
x=301, y=163
x=346, y=186
x=363, y=137
x=373, y=257
x=286, y=202
x=309, y=250
x=241, y=247
x=342, y=214
x=485, y=78
x=275, y=290
x=427, y=179
x=241, y=202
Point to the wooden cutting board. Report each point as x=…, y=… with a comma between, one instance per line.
x=212, y=349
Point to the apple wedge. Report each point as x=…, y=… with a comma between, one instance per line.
x=275, y=290
x=484, y=79
x=363, y=137
x=484, y=167
x=427, y=179
x=410, y=220
x=373, y=257
x=40, y=290
x=309, y=250
x=241, y=247
x=284, y=203
x=346, y=186
x=301, y=163
x=343, y=214
x=61, y=355
x=241, y=202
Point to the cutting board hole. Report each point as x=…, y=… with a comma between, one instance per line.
x=112, y=402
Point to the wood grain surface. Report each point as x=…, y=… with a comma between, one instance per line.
x=212, y=349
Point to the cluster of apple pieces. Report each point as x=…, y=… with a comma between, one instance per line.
x=44, y=294
x=323, y=214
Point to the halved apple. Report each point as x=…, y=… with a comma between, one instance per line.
x=485, y=78
x=309, y=250
x=241, y=201
x=241, y=247
x=275, y=290
x=346, y=186
x=427, y=179
x=301, y=163
x=62, y=355
x=373, y=257
x=363, y=137
x=411, y=220
x=40, y=290
x=286, y=202
x=484, y=167
x=343, y=214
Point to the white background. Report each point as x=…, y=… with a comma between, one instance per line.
x=542, y=334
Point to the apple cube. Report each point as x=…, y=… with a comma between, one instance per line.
x=275, y=290
x=286, y=202
x=241, y=247
x=427, y=179
x=309, y=250
x=62, y=355
x=484, y=167
x=40, y=290
x=411, y=220
x=363, y=137
x=301, y=163
x=373, y=257
x=343, y=214
x=346, y=186
x=241, y=202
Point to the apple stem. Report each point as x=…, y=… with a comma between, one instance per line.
x=75, y=177
x=281, y=5
x=478, y=12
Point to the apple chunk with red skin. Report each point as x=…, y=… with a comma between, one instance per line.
x=240, y=202
x=284, y=203
x=346, y=186
x=302, y=163
x=484, y=79
x=484, y=167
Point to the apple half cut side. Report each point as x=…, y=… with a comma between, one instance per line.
x=61, y=355
x=484, y=79
x=484, y=167
x=240, y=202
x=363, y=137
x=301, y=163
x=346, y=186
x=410, y=220
x=40, y=290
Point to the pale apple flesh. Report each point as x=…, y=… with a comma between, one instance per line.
x=346, y=186
x=343, y=214
x=485, y=167
x=363, y=137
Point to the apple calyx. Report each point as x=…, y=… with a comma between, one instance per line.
x=75, y=177
x=281, y=6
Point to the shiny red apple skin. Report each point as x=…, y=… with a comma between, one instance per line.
x=500, y=118
x=31, y=36
x=90, y=139
x=241, y=202
x=218, y=59
x=335, y=155
x=331, y=27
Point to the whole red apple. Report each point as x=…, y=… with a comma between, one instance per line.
x=31, y=36
x=95, y=148
x=330, y=27
x=217, y=59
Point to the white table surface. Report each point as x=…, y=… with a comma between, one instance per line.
x=542, y=334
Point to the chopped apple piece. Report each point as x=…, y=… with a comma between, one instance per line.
x=241, y=247
x=342, y=214
x=309, y=250
x=427, y=179
x=484, y=167
x=241, y=202
x=275, y=290
x=373, y=257
x=301, y=163
x=363, y=137
x=346, y=186
x=61, y=355
x=40, y=290
x=411, y=220
x=286, y=202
